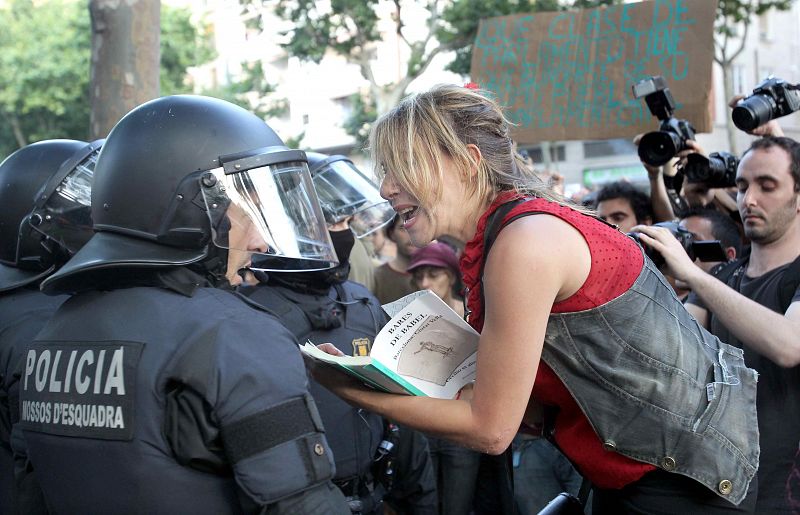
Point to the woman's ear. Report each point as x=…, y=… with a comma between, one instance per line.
x=475, y=154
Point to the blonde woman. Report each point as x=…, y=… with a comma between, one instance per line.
x=656, y=412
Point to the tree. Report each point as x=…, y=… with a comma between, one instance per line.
x=251, y=91
x=184, y=43
x=350, y=28
x=44, y=64
x=732, y=26
x=125, y=59
x=45, y=49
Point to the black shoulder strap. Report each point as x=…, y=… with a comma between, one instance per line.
x=493, y=226
x=787, y=287
x=731, y=269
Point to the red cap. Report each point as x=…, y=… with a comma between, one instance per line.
x=436, y=254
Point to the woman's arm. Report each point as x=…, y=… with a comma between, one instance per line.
x=535, y=261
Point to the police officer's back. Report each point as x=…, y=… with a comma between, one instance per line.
x=44, y=218
x=154, y=389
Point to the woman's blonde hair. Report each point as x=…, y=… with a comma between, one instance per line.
x=408, y=141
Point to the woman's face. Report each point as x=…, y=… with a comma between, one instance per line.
x=438, y=280
x=426, y=223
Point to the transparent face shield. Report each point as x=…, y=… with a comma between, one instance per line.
x=63, y=212
x=345, y=192
x=264, y=210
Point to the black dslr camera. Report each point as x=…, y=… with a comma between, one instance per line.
x=657, y=148
x=718, y=170
x=705, y=250
x=771, y=99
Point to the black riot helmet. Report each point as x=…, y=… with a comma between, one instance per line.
x=39, y=180
x=190, y=180
x=345, y=192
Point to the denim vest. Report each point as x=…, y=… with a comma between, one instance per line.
x=659, y=388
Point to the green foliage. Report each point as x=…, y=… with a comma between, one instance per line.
x=346, y=28
x=251, y=91
x=45, y=51
x=360, y=121
x=732, y=13
x=182, y=45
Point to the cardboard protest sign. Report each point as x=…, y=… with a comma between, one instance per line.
x=568, y=75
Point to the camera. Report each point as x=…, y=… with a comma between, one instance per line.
x=657, y=148
x=771, y=99
x=718, y=170
x=704, y=250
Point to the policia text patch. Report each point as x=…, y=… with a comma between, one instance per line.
x=80, y=389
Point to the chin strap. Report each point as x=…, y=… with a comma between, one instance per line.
x=214, y=267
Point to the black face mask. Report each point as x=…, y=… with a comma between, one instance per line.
x=343, y=242
x=320, y=281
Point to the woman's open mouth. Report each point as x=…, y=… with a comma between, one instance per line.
x=407, y=214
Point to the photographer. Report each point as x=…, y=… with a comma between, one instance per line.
x=755, y=304
x=624, y=205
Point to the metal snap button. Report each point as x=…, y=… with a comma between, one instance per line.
x=668, y=463
x=609, y=445
x=319, y=450
x=725, y=487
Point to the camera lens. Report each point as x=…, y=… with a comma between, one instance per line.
x=753, y=111
x=657, y=148
x=698, y=168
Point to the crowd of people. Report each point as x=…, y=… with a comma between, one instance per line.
x=638, y=346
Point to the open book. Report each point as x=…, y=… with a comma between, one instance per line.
x=426, y=349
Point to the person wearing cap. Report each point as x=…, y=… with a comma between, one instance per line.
x=435, y=268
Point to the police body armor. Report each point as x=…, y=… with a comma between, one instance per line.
x=23, y=312
x=192, y=397
x=349, y=317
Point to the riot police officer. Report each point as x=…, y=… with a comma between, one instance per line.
x=45, y=218
x=156, y=388
x=324, y=306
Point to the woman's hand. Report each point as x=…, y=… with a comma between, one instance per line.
x=338, y=382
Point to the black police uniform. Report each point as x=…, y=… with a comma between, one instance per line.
x=349, y=316
x=172, y=397
x=23, y=312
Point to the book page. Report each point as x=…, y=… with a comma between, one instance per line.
x=429, y=345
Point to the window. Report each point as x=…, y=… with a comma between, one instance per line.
x=558, y=153
x=608, y=147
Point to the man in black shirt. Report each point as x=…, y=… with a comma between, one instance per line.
x=756, y=305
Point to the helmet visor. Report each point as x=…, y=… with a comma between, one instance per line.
x=269, y=212
x=345, y=192
x=66, y=215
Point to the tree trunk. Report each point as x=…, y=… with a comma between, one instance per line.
x=125, y=59
x=727, y=86
x=16, y=128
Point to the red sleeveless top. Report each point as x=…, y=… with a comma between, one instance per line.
x=616, y=263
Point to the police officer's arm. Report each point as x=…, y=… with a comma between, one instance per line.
x=765, y=331
x=270, y=430
x=535, y=261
